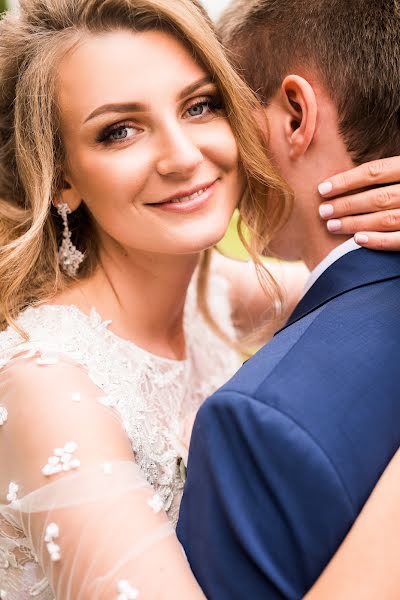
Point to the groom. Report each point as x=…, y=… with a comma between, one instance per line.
x=284, y=456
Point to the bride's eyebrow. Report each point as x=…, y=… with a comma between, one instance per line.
x=193, y=87
x=123, y=107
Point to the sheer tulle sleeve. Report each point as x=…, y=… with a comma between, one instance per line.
x=73, y=498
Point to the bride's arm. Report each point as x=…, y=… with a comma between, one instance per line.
x=251, y=307
x=366, y=564
x=70, y=484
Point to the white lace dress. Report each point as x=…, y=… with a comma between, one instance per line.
x=90, y=431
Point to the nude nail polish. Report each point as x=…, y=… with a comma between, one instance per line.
x=334, y=225
x=325, y=188
x=326, y=211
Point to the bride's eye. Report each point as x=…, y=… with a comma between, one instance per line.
x=204, y=108
x=198, y=110
x=118, y=133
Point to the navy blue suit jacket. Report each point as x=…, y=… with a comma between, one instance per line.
x=284, y=456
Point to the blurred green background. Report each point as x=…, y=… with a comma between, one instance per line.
x=231, y=244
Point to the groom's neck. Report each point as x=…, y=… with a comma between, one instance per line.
x=315, y=241
x=327, y=157
x=316, y=248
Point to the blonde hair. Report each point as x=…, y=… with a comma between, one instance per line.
x=32, y=154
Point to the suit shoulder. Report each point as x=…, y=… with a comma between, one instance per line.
x=334, y=374
x=343, y=333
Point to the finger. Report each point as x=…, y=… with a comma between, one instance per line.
x=379, y=199
x=388, y=220
x=379, y=241
x=385, y=170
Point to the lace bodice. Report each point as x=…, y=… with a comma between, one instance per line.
x=150, y=397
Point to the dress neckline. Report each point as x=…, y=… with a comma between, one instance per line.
x=96, y=321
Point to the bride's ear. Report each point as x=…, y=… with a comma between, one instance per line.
x=68, y=195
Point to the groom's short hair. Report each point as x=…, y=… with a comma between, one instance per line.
x=353, y=46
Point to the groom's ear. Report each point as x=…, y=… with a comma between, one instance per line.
x=301, y=109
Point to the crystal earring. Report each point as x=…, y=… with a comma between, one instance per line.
x=69, y=257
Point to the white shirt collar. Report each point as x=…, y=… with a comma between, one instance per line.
x=338, y=252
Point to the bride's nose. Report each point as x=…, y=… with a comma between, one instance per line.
x=179, y=153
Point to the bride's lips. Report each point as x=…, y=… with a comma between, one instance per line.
x=188, y=200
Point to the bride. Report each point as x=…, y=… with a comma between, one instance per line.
x=127, y=142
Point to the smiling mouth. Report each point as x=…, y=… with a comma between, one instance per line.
x=181, y=199
x=187, y=198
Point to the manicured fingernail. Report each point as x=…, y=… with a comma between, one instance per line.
x=326, y=210
x=334, y=225
x=361, y=238
x=325, y=188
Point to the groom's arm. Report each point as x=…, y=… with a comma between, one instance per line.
x=263, y=509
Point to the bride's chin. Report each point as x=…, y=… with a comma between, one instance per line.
x=205, y=238
x=198, y=246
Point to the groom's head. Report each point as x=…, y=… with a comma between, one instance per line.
x=328, y=75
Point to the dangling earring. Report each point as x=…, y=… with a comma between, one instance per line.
x=69, y=257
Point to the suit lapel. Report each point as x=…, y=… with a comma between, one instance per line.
x=354, y=270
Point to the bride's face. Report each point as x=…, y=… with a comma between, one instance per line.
x=149, y=148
